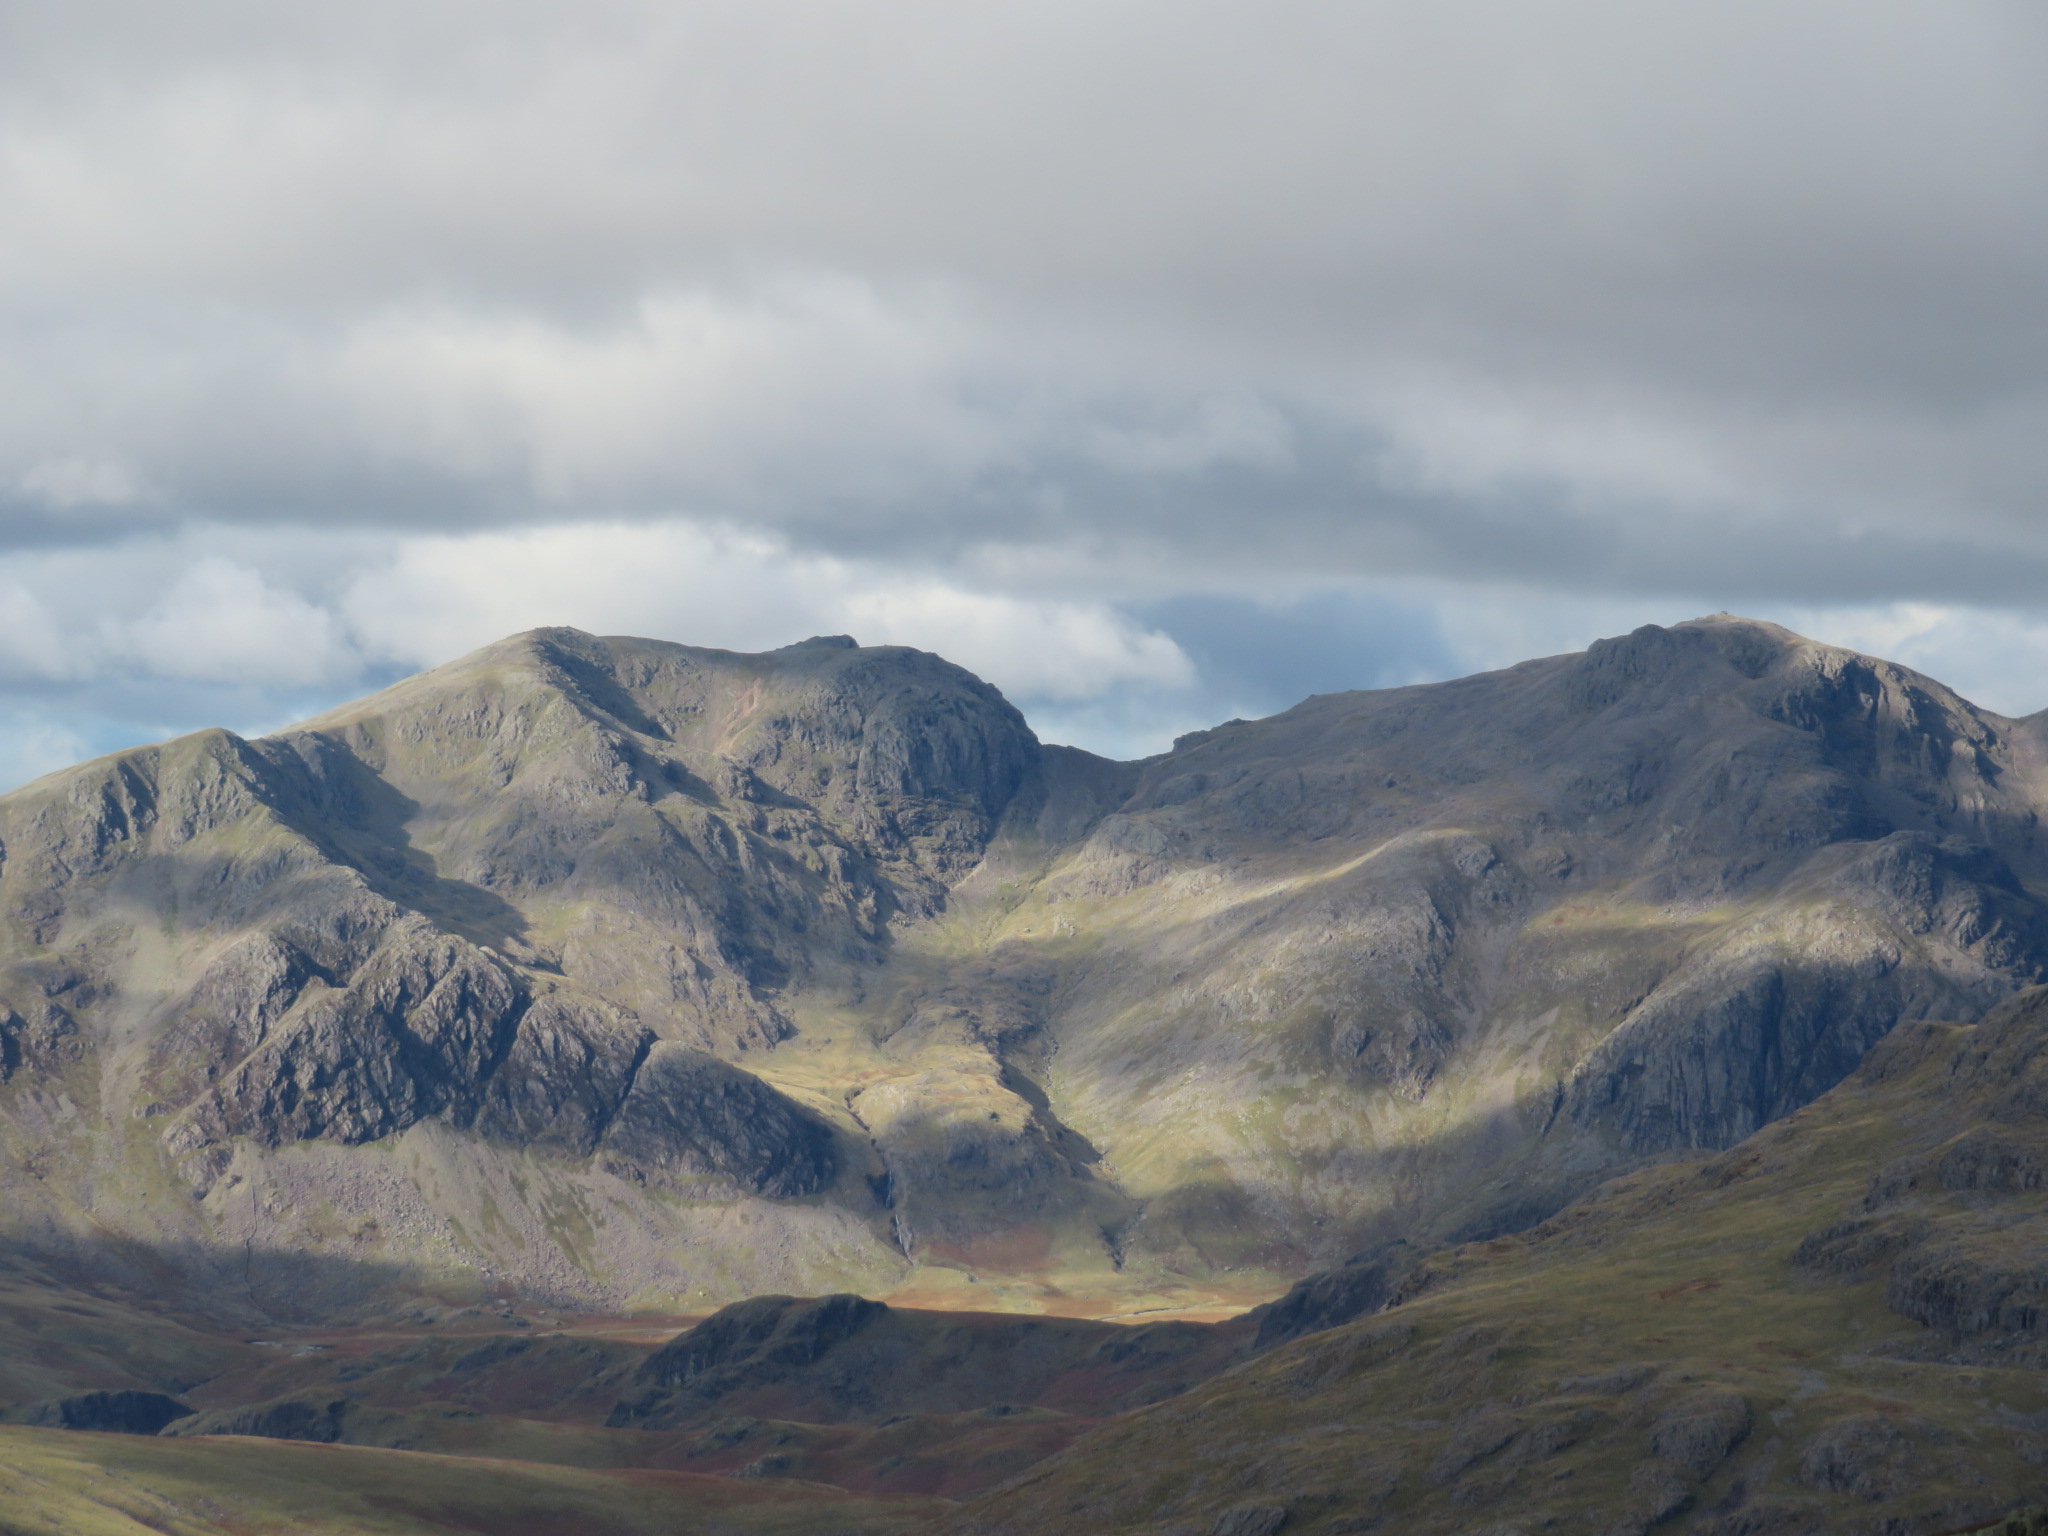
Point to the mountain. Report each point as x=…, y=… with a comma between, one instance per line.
x=453, y=980
x=613, y=973
x=346, y=1073
x=1435, y=959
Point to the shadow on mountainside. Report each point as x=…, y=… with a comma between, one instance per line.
x=219, y=1288
x=329, y=796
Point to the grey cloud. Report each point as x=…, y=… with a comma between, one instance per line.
x=1197, y=313
x=1806, y=236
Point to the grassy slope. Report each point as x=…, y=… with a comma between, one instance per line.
x=56, y=1339
x=477, y=1392
x=65, y=1484
x=1549, y=1380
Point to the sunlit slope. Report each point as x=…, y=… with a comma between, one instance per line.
x=1837, y=1325
x=619, y=973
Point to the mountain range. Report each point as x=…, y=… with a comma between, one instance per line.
x=594, y=978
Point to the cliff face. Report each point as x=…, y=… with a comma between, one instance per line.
x=618, y=970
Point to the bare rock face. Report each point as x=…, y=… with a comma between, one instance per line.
x=629, y=970
x=1696, y=1433
x=1331, y=1298
x=1953, y=1226
x=1869, y=1456
x=291, y=1418
x=568, y=1073
x=44, y=1038
x=689, y=1114
x=755, y=1343
x=414, y=1033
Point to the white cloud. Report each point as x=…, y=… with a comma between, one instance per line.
x=219, y=627
x=440, y=596
x=161, y=609
x=217, y=621
x=870, y=272
x=796, y=384
x=1042, y=650
x=434, y=598
x=32, y=646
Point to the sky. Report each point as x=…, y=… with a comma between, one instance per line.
x=1162, y=363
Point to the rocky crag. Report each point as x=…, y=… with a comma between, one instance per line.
x=614, y=973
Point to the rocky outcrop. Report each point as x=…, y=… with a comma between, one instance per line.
x=1648, y=1358
x=321, y=1421
x=841, y=1359
x=112, y=1413
x=1856, y=1248
x=1697, y=1433
x=1957, y=1287
x=753, y=1344
x=1592, y=910
x=341, y=924
x=1951, y=1225
x=431, y=1026
x=1758, y=1030
x=1870, y=1456
x=1331, y=1298
x=689, y=1116
x=572, y=1065
x=44, y=1038
x=415, y=1032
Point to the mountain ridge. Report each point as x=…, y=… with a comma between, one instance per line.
x=691, y=974
x=1630, y=1057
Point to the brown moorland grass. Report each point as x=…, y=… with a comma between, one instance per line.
x=59, y=1483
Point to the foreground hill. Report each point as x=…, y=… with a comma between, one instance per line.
x=55, y=1484
x=1837, y=1326
x=614, y=973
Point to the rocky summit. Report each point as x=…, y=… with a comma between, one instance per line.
x=602, y=1082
